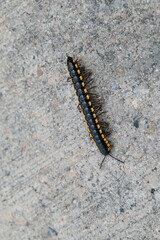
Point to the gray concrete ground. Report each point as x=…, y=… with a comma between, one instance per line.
x=51, y=184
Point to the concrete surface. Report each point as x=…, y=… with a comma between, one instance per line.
x=51, y=184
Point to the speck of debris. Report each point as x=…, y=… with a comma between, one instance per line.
x=115, y=86
x=136, y=123
x=152, y=190
x=39, y=72
x=121, y=210
x=154, y=169
x=52, y=231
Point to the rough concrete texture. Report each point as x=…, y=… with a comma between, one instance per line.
x=51, y=184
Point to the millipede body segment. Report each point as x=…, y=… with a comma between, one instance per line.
x=88, y=107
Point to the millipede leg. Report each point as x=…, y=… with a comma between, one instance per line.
x=69, y=79
x=91, y=88
x=79, y=108
x=104, y=124
x=97, y=109
x=89, y=81
x=91, y=138
x=107, y=133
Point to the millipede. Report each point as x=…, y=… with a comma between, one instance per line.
x=90, y=105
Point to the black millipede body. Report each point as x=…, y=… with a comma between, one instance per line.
x=89, y=106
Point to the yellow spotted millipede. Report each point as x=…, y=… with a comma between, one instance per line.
x=90, y=106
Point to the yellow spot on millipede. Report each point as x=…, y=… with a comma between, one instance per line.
x=83, y=84
x=84, y=118
x=89, y=103
x=108, y=145
x=81, y=78
x=92, y=109
x=100, y=131
x=91, y=136
x=74, y=61
x=78, y=71
x=106, y=141
x=76, y=65
x=102, y=136
x=98, y=126
x=87, y=96
x=96, y=120
x=94, y=115
x=85, y=90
